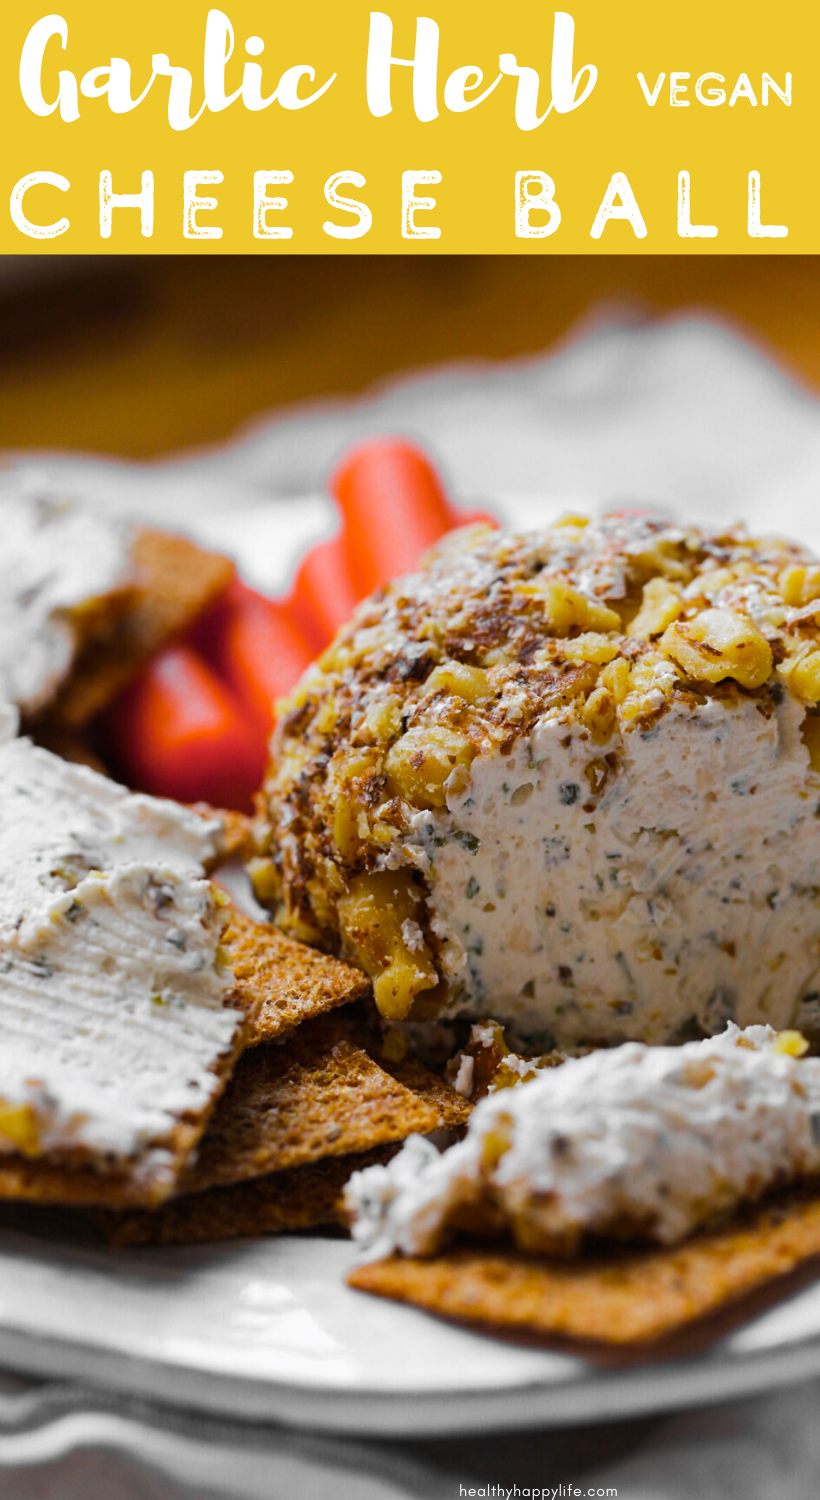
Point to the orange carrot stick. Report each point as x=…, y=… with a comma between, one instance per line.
x=178, y=732
x=256, y=645
x=394, y=508
x=323, y=595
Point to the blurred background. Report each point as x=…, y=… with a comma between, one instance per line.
x=136, y=357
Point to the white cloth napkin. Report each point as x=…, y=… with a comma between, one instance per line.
x=750, y=1450
x=682, y=414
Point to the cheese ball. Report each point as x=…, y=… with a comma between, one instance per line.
x=568, y=779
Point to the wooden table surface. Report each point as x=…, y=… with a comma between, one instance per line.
x=141, y=356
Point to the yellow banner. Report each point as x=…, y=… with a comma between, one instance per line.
x=428, y=128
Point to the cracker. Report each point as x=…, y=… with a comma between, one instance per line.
x=280, y=983
x=316, y=1096
x=303, y=1198
x=174, y=582
x=83, y=1177
x=236, y=839
x=454, y=1110
x=628, y=1296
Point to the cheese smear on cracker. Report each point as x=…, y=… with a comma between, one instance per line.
x=633, y=1142
x=57, y=557
x=112, y=994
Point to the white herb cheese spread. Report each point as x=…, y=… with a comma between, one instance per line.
x=57, y=557
x=681, y=893
x=112, y=994
x=631, y=1142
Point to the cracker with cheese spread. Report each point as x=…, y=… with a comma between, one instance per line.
x=621, y=1297
x=129, y=987
x=292, y=1127
x=86, y=598
x=117, y=1012
x=82, y=1177
x=172, y=582
x=635, y=1185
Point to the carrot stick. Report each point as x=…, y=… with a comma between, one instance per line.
x=256, y=645
x=323, y=595
x=394, y=508
x=179, y=732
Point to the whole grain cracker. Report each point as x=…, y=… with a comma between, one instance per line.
x=279, y=983
x=316, y=1096
x=630, y=1296
x=357, y=1025
x=303, y=1198
x=454, y=1110
x=174, y=582
x=81, y=1176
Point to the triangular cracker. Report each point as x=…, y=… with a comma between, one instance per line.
x=315, y=1096
x=454, y=1111
x=303, y=1198
x=622, y=1296
x=280, y=983
x=174, y=582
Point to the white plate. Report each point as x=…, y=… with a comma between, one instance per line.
x=268, y=1330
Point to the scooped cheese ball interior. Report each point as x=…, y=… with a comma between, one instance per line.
x=569, y=779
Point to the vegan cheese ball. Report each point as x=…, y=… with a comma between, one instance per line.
x=569, y=779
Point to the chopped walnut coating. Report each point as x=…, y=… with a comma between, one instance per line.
x=487, y=1064
x=606, y=623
